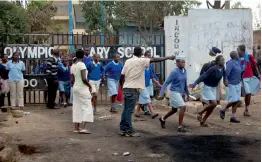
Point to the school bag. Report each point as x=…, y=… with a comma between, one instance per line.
x=207, y=66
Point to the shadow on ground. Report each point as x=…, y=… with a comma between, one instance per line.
x=214, y=148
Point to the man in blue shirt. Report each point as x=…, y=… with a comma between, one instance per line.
x=96, y=76
x=87, y=57
x=233, y=72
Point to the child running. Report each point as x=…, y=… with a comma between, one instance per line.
x=114, y=69
x=233, y=71
x=178, y=93
x=211, y=79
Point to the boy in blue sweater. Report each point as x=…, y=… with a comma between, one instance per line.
x=96, y=76
x=63, y=75
x=114, y=69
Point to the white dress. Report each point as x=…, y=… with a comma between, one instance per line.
x=82, y=106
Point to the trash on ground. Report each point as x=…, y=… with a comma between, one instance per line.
x=126, y=153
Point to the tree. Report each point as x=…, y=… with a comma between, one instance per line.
x=41, y=13
x=237, y=5
x=13, y=20
x=147, y=15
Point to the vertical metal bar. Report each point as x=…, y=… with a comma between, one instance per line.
x=102, y=8
x=71, y=27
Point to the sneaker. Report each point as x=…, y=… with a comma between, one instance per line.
x=246, y=113
x=122, y=133
x=222, y=114
x=132, y=134
x=234, y=120
x=182, y=129
x=162, y=123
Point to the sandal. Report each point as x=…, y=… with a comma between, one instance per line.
x=154, y=116
x=84, y=131
x=202, y=124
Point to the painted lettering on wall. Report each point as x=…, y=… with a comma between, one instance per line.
x=29, y=52
x=176, y=38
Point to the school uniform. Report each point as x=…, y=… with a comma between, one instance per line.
x=63, y=75
x=251, y=83
x=211, y=79
x=144, y=96
x=95, y=72
x=233, y=72
x=114, y=70
x=178, y=81
x=153, y=76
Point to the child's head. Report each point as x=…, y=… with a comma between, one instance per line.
x=96, y=57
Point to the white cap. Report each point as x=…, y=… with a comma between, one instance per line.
x=180, y=57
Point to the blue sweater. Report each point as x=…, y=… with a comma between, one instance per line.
x=153, y=74
x=178, y=80
x=63, y=73
x=147, y=77
x=95, y=72
x=114, y=70
x=212, y=76
x=87, y=60
x=233, y=71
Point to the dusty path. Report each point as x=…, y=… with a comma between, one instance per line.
x=51, y=132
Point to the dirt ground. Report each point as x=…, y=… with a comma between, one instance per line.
x=50, y=131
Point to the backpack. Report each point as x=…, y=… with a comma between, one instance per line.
x=207, y=66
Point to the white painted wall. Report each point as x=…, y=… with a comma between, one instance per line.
x=205, y=28
x=225, y=29
x=176, y=39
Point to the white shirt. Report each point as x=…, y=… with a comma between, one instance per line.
x=134, y=71
x=76, y=71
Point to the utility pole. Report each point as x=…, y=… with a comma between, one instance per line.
x=102, y=11
x=71, y=25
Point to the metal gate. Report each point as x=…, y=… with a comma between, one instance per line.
x=106, y=45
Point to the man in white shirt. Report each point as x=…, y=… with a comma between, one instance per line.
x=132, y=80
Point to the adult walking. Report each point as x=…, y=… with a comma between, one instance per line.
x=211, y=79
x=114, y=69
x=52, y=80
x=179, y=93
x=82, y=106
x=16, y=68
x=233, y=91
x=132, y=80
x=251, y=76
x=4, y=89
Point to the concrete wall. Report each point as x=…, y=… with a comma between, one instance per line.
x=208, y=28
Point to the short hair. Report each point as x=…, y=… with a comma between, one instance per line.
x=96, y=55
x=147, y=52
x=242, y=48
x=218, y=58
x=117, y=54
x=80, y=54
x=259, y=47
x=233, y=54
x=137, y=51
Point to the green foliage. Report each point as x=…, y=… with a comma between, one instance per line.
x=13, y=19
x=41, y=13
x=148, y=15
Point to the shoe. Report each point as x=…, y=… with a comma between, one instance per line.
x=162, y=123
x=122, y=133
x=222, y=114
x=69, y=104
x=182, y=129
x=246, y=113
x=113, y=110
x=202, y=124
x=147, y=113
x=132, y=134
x=199, y=117
x=234, y=120
x=94, y=110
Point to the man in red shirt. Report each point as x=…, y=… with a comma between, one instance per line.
x=251, y=83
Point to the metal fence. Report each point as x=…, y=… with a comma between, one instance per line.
x=105, y=45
